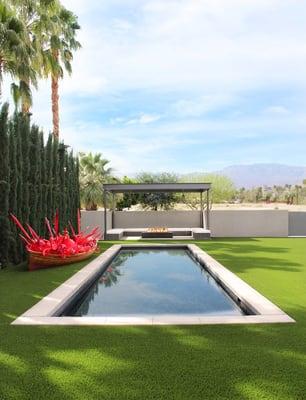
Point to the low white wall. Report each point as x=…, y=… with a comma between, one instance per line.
x=249, y=223
x=223, y=223
x=91, y=219
x=147, y=219
x=297, y=223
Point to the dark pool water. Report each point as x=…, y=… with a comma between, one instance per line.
x=159, y=281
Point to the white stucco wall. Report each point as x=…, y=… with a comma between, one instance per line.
x=223, y=223
x=146, y=219
x=91, y=219
x=249, y=223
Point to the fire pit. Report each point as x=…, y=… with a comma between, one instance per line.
x=157, y=232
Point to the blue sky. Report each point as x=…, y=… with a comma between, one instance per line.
x=193, y=85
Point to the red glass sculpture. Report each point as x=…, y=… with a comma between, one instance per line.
x=60, y=248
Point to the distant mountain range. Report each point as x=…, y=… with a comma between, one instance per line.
x=264, y=174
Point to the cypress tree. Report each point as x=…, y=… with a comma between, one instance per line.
x=34, y=178
x=4, y=187
x=77, y=188
x=61, y=200
x=19, y=191
x=54, y=182
x=71, y=189
x=49, y=161
x=25, y=172
x=13, y=178
x=43, y=178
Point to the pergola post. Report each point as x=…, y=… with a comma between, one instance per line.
x=207, y=209
x=113, y=209
x=201, y=207
x=105, y=215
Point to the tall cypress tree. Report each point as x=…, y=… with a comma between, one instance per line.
x=44, y=186
x=4, y=187
x=14, y=238
x=55, y=178
x=25, y=173
x=61, y=200
x=34, y=178
x=17, y=118
x=49, y=165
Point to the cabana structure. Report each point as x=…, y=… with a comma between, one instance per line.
x=200, y=232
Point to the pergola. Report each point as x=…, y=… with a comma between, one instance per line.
x=160, y=188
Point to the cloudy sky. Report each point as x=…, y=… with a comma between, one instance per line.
x=186, y=85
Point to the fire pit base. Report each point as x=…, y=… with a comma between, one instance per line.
x=156, y=235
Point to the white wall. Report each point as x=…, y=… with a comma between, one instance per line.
x=297, y=223
x=223, y=223
x=249, y=223
x=146, y=219
x=91, y=219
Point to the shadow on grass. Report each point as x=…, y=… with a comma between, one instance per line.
x=197, y=362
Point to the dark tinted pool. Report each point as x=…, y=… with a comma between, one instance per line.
x=158, y=281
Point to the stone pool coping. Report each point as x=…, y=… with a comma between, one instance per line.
x=48, y=310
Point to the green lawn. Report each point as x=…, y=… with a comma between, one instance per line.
x=188, y=362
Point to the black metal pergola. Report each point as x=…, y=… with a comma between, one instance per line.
x=160, y=188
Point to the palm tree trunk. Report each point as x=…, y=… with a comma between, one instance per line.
x=55, y=105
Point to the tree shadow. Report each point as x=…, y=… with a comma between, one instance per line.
x=194, y=362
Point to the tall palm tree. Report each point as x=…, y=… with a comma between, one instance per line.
x=28, y=63
x=60, y=42
x=15, y=49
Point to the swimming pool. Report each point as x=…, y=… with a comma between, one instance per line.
x=153, y=284
x=155, y=281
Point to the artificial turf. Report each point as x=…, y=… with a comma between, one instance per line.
x=177, y=362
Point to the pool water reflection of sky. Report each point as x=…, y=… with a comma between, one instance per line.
x=159, y=281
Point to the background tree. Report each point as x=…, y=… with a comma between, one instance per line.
x=223, y=189
x=155, y=201
x=94, y=171
x=127, y=200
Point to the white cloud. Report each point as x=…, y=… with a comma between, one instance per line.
x=206, y=55
x=143, y=119
x=279, y=110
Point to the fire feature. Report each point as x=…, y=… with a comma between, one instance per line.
x=157, y=232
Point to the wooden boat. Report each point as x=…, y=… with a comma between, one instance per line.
x=38, y=261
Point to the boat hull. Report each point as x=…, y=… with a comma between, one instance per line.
x=38, y=261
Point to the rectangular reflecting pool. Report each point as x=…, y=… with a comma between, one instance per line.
x=154, y=281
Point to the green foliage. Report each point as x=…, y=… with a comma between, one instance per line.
x=127, y=199
x=4, y=186
x=155, y=201
x=289, y=194
x=30, y=173
x=222, y=190
x=37, y=39
x=93, y=173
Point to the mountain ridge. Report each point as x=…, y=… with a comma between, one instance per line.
x=264, y=174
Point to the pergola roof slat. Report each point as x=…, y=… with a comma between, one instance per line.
x=157, y=187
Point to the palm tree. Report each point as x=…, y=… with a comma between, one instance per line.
x=93, y=173
x=27, y=56
x=15, y=49
x=59, y=44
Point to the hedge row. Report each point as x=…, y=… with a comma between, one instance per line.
x=36, y=178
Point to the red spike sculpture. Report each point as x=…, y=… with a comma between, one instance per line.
x=60, y=248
